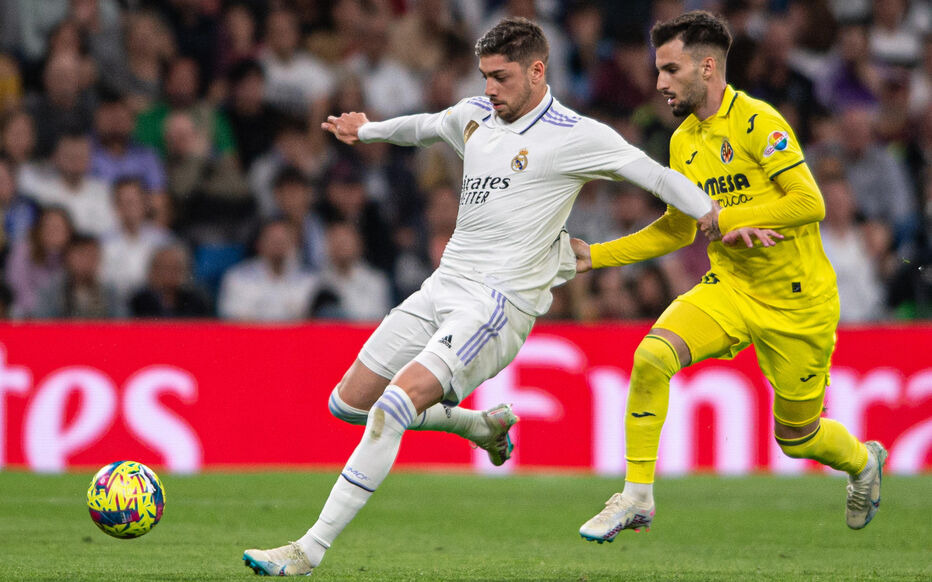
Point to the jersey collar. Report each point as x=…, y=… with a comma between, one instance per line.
x=728, y=101
x=524, y=123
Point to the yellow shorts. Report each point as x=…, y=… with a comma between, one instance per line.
x=794, y=346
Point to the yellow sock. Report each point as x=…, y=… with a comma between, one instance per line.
x=830, y=444
x=655, y=362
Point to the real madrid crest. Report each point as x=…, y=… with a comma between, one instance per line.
x=519, y=162
x=728, y=153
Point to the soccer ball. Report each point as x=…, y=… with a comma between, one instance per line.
x=126, y=499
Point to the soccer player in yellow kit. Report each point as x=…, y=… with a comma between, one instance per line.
x=770, y=282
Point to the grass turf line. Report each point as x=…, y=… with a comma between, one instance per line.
x=462, y=527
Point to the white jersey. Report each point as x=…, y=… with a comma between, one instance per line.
x=519, y=183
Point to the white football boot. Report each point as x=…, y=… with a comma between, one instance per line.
x=619, y=513
x=287, y=560
x=499, y=420
x=864, y=490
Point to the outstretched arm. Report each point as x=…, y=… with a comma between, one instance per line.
x=409, y=130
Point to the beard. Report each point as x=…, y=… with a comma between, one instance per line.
x=693, y=97
x=512, y=111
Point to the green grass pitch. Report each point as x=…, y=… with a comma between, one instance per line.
x=433, y=526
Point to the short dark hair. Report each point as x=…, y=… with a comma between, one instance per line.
x=693, y=28
x=517, y=39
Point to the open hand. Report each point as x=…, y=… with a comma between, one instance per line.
x=747, y=233
x=346, y=127
x=583, y=256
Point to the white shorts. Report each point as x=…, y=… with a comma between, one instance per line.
x=471, y=327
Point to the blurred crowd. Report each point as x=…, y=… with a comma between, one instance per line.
x=164, y=159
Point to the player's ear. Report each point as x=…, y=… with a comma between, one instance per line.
x=537, y=70
x=708, y=67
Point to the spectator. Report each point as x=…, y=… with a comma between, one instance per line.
x=364, y=293
x=63, y=106
x=346, y=201
x=99, y=26
x=272, y=286
x=295, y=199
x=853, y=79
x=250, y=116
x=296, y=80
x=196, y=30
x=128, y=249
x=69, y=184
x=136, y=73
x=293, y=147
x=19, y=140
x=237, y=38
x=170, y=292
x=339, y=38
x=78, y=292
x=418, y=38
x=206, y=187
x=588, y=51
x=870, y=169
x=859, y=287
x=17, y=212
x=37, y=259
x=895, y=36
x=182, y=87
x=66, y=40
x=116, y=155
x=389, y=88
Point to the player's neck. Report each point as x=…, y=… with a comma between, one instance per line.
x=715, y=93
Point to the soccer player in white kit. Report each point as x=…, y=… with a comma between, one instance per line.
x=525, y=157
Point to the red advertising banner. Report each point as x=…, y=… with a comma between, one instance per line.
x=191, y=396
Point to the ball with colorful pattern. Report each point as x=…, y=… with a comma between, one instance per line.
x=126, y=499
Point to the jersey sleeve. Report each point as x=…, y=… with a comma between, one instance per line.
x=773, y=143
x=595, y=151
x=668, y=233
x=450, y=126
x=801, y=204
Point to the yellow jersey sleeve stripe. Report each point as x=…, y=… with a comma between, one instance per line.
x=790, y=167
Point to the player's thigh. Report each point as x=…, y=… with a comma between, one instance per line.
x=360, y=387
x=707, y=321
x=400, y=336
x=480, y=332
x=794, y=350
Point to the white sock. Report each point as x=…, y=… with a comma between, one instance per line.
x=464, y=422
x=364, y=472
x=641, y=493
x=871, y=463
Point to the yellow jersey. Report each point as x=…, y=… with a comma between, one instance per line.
x=735, y=156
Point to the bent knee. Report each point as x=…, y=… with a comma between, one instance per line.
x=345, y=412
x=797, y=441
x=657, y=352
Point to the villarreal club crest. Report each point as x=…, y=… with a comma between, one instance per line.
x=728, y=153
x=126, y=499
